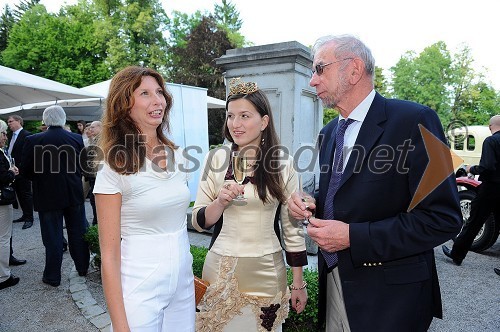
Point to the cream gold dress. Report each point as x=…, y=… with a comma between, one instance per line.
x=245, y=266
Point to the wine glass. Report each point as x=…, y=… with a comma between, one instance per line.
x=305, y=196
x=239, y=171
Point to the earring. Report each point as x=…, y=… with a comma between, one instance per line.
x=262, y=142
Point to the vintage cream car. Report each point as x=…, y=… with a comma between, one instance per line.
x=467, y=142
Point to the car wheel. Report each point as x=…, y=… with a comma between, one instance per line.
x=488, y=234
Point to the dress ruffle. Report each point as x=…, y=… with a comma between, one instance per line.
x=223, y=301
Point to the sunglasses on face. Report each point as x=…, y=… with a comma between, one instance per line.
x=318, y=69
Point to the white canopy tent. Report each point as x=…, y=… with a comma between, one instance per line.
x=88, y=109
x=18, y=88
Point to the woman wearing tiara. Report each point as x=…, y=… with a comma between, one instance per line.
x=245, y=265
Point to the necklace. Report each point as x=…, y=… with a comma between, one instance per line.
x=156, y=150
x=157, y=141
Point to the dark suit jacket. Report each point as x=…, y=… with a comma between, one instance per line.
x=17, y=149
x=388, y=274
x=489, y=165
x=52, y=161
x=6, y=176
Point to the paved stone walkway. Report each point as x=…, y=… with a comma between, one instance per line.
x=470, y=292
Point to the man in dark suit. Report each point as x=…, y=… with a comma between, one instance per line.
x=22, y=185
x=487, y=199
x=376, y=262
x=51, y=161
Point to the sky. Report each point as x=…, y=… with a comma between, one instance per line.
x=388, y=27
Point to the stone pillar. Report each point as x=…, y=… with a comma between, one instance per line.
x=283, y=71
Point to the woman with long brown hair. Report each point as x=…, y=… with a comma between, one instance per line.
x=142, y=197
x=245, y=266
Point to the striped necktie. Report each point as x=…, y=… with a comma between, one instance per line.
x=331, y=258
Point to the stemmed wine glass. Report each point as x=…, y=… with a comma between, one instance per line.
x=239, y=171
x=305, y=196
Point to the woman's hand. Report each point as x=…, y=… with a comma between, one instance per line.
x=228, y=192
x=299, y=299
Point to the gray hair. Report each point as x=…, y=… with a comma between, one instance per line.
x=3, y=126
x=54, y=116
x=17, y=118
x=348, y=46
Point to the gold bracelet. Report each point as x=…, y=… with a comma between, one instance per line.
x=304, y=285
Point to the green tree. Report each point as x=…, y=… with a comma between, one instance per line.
x=68, y=48
x=204, y=44
x=380, y=81
x=425, y=78
x=228, y=18
x=108, y=8
x=473, y=101
x=6, y=23
x=329, y=114
x=10, y=17
x=195, y=65
x=139, y=26
x=23, y=7
x=478, y=104
x=447, y=83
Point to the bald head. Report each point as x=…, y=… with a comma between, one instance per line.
x=96, y=127
x=495, y=123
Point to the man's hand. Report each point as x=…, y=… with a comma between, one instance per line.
x=298, y=208
x=330, y=235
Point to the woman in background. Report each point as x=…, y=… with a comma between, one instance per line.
x=80, y=126
x=142, y=198
x=7, y=175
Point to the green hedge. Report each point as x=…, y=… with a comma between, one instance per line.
x=92, y=238
x=304, y=322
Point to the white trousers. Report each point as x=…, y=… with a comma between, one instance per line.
x=5, y=234
x=157, y=282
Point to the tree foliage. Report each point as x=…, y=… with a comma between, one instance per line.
x=446, y=83
x=381, y=84
x=194, y=64
x=6, y=23
x=63, y=48
x=425, y=78
x=9, y=17
x=227, y=17
x=138, y=40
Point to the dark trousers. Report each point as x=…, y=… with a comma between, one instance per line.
x=486, y=201
x=51, y=226
x=92, y=199
x=24, y=194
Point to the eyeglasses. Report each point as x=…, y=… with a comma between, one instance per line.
x=319, y=67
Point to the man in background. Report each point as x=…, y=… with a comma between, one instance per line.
x=52, y=161
x=89, y=166
x=487, y=199
x=22, y=185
